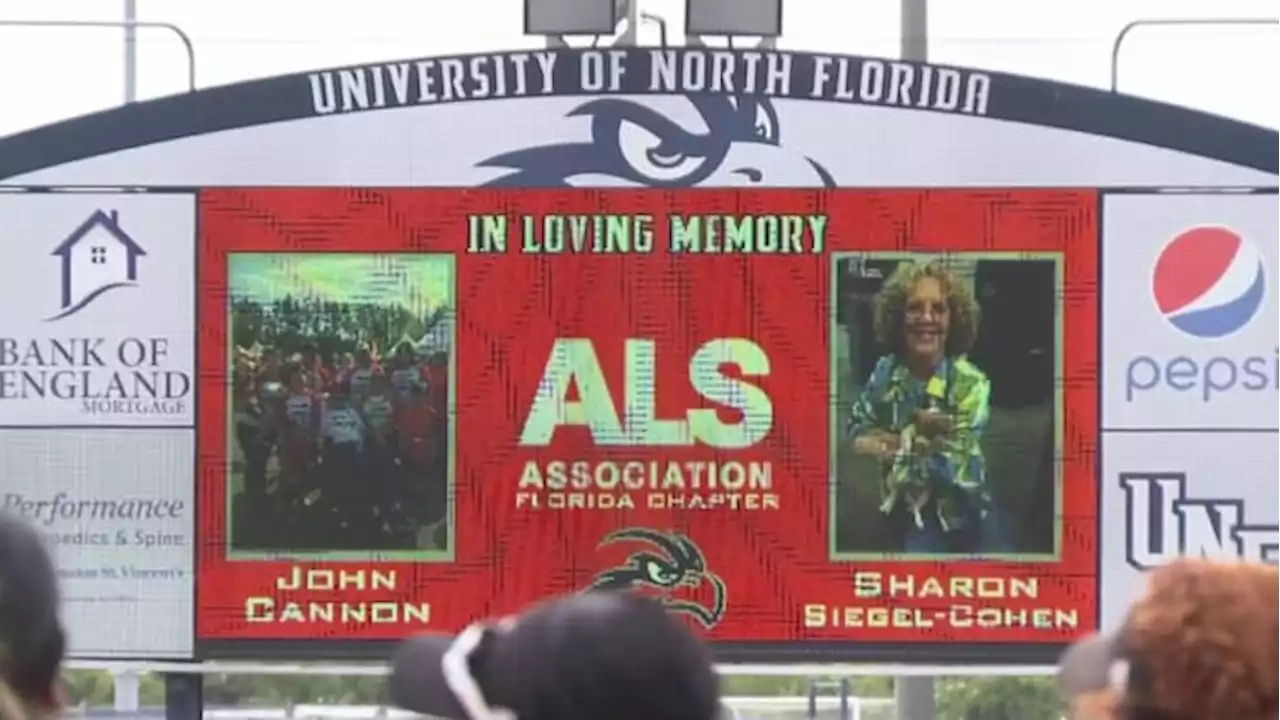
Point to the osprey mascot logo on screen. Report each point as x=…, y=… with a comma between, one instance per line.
x=726, y=142
x=671, y=566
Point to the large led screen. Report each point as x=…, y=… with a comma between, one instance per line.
x=851, y=422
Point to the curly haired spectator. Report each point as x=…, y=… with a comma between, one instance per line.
x=922, y=414
x=31, y=637
x=1201, y=643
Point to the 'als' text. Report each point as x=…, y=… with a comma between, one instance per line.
x=573, y=391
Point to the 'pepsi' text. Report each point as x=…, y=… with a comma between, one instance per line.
x=1205, y=377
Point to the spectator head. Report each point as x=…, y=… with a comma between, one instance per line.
x=584, y=657
x=31, y=638
x=1201, y=643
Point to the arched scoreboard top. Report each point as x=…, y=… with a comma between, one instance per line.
x=646, y=117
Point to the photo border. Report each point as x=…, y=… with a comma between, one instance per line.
x=834, y=423
x=451, y=492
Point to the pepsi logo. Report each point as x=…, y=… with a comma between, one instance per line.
x=1209, y=282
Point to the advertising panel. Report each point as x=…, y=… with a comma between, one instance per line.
x=1190, y=318
x=97, y=368
x=420, y=407
x=99, y=309
x=1189, y=400
x=117, y=509
x=1171, y=494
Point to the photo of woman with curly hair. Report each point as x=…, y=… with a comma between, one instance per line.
x=916, y=427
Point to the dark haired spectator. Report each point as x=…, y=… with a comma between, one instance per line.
x=32, y=642
x=594, y=656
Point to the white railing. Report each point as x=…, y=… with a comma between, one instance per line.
x=125, y=676
x=771, y=670
x=736, y=706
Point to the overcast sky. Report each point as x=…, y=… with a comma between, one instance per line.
x=50, y=74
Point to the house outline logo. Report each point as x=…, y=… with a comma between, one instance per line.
x=97, y=257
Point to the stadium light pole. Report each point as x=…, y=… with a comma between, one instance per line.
x=914, y=30
x=130, y=51
x=733, y=18
x=555, y=19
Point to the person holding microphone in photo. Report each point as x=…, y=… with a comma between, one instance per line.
x=922, y=414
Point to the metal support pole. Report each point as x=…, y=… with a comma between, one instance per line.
x=183, y=696
x=1157, y=22
x=631, y=16
x=914, y=698
x=183, y=37
x=130, y=51
x=661, y=22
x=125, y=686
x=914, y=30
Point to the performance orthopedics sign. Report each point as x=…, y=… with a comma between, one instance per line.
x=119, y=514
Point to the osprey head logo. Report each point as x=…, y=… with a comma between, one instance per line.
x=726, y=141
x=671, y=565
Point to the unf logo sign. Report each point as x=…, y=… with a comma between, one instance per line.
x=1163, y=523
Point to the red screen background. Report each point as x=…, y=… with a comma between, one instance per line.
x=511, y=307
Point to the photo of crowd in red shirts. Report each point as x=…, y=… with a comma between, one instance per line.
x=340, y=400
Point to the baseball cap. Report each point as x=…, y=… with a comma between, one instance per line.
x=32, y=642
x=1093, y=664
x=583, y=657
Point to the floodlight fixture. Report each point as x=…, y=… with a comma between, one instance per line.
x=732, y=18
x=571, y=17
